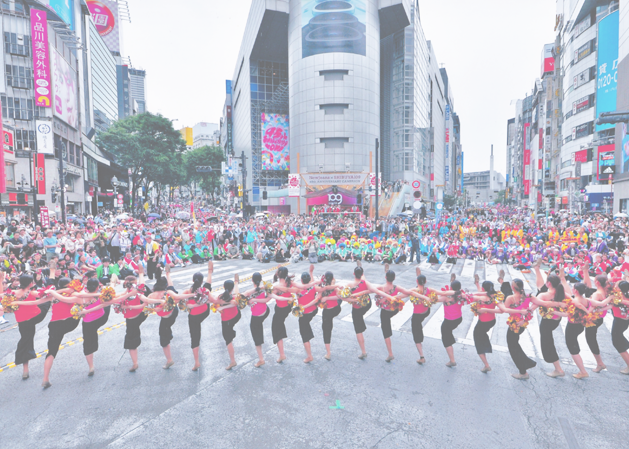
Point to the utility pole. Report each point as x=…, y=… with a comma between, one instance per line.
x=243, y=158
x=377, y=182
x=62, y=181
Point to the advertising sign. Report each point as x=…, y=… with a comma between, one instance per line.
x=294, y=185
x=333, y=27
x=607, y=77
x=581, y=78
x=7, y=143
x=275, y=144
x=372, y=184
x=337, y=179
x=606, y=162
x=63, y=8
x=41, y=61
x=625, y=149
x=548, y=60
x=64, y=82
x=44, y=137
x=581, y=131
x=105, y=17
x=580, y=105
x=583, y=51
x=581, y=156
x=44, y=217
x=39, y=173
x=3, y=187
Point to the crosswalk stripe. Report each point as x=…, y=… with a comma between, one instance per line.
x=402, y=316
x=185, y=274
x=468, y=268
x=534, y=338
x=609, y=321
x=491, y=273
x=445, y=268
x=432, y=328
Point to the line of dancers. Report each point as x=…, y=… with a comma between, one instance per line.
x=88, y=303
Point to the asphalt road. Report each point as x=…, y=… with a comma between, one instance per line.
x=345, y=402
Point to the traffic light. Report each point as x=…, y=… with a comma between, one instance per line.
x=359, y=199
x=264, y=195
x=54, y=196
x=239, y=189
x=21, y=198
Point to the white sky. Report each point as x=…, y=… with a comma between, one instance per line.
x=490, y=48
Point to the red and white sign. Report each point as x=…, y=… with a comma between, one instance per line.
x=120, y=200
x=548, y=60
x=372, y=184
x=416, y=184
x=3, y=187
x=44, y=218
x=40, y=173
x=294, y=185
x=41, y=61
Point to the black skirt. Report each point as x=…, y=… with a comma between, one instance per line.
x=521, y=360
x=447, y=327
x=133, y=336
x=278, y=327
x=26, y=347
x=417, y=327
x=385, y=322
x=166, y=328
x=358, y=317
x=228, y=329
x=194, y=324
x=90, y=332
x=257, y=327
x=56, y=332
x=481, y=339
x=305, y=329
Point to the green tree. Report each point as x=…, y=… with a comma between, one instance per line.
x=204, y=156
x=449, y=201
x=148, y=145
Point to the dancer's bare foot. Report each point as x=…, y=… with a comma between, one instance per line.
x=281, y=359
x=196, y=367
x=133, y=369
x=259, y=363
x=168, y=364
x=308, y=359
x=230, y=366
x=599, y=368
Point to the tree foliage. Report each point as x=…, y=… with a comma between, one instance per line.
x=148, y=145
x=204, y=156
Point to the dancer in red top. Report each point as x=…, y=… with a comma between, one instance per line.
x=230, y=315
x=486, y=299
x=387, y=311
x=258, y=300
x=359, y=287
x=197, y=312
x=32, y=310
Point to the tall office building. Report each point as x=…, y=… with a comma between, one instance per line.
x=137, y=88
x=316, y=83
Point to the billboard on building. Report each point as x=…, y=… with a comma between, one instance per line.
x=606, y=162
x=43, y=130
x=105, y=16
x=41, y=59
x=64, y=90
x=548, y=60
x=64, y=9
x=607, y=66
x=186, y=134
x=333, y=26
x=275, y=145
x=625, y=150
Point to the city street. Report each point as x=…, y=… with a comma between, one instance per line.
x=345, y=402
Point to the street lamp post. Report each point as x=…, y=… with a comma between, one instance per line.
x=115, y=183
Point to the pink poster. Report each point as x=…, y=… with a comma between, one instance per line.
x=41, y=61
x=275, y=142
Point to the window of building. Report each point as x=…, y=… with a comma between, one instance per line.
x=69, y=179
x=9, y=173
x=17, y=44
x=24, y=139
x=18, y=108
x=92, y=170
x=19, y=77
